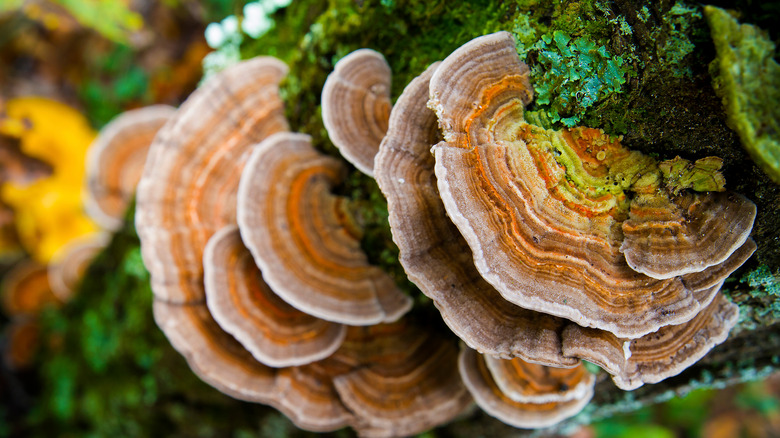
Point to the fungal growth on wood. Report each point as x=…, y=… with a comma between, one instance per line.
x=274, y=332
x=304, y=238
x=545, y=212
x=540, y=248
x=187, y=191
x=356, y=106
x=115, y=161
x=542, y=406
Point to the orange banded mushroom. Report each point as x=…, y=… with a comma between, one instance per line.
x=115, y=162
x=659, y=355
x=356, y=106
x=489, y=396
x=305, y=241
x=406, y=382
x=216, y=357
x=695, y=232
x=434, y=254
x=71, y=262
x=541, y=209
x=276, y=334
x=187, y=191
x=526, y=382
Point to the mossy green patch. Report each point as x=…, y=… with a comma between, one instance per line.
x=748, y=80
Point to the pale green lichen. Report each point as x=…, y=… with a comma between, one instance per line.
x=677, y=44
x=748, y=80
x=573, y=74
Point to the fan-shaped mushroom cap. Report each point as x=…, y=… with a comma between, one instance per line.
x=713, y=276
x=71, y=261
x=25, y=289
x=407, y=381
x=356, y=106
x=307, y=396
x=479, y=381
x=542, y=209
x=276, y=334
x=115, y=162
x=526, y=382
x=305, y=241
x=434, y=254
x=187, y=191
x=654, y=357
x=215, y=356
x=695, y=232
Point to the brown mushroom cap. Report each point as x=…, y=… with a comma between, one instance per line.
x=492, y=400
x=656, y=356
x=215, y=356
x=542, y=209
x=188, y=188
x=704, y=230
x=307, y=396
x=305, y=241
x=276, y=334
x=434, y=254
x=715, y=275
x=115, y=162
x=356, y=106
x=71, y=261
x=25, y=289
x=526, y=382
x=406, y=381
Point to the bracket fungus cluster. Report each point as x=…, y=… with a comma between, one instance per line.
x=555, y=246
x=539, y=248
x=259, y=278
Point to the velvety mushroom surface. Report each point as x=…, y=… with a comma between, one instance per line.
x=434, y=254
x=188, y=188
x=215, y=356
x=115, y=162
x=406, y=382
x=274, y=332
x=489, y=396
x=659, y=355
x=356, y=106
x=526, y=382
x=543, y=210
x=305, y=240
x=692, y=233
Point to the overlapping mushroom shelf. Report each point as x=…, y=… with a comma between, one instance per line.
x=554, y=246
x=257, y=268
x=538, y=247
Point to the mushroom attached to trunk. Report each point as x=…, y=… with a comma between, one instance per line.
x=276, y=334
x=115, y=162
x=543, y=211
x=305, y=240
x=356, y=106
x=528, y=415
x=188, y=188
x=434, y=254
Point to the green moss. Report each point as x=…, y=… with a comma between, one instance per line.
x=748, y=80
